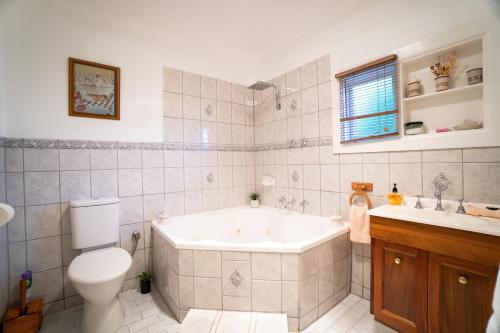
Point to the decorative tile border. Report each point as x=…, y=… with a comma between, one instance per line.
x=82, y=144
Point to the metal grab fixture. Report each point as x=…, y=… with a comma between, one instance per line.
x=397, y=260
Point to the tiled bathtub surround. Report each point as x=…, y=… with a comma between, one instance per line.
x=304, y=286
x=149, y=178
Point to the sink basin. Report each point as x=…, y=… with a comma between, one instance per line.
x=6, y=213
x=447, y=218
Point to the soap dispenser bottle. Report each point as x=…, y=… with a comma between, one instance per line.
x=395, y=198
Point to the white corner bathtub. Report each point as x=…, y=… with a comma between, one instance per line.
x=252, y=259
x=262, y=229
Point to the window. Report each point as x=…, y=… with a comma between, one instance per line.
x=369, y=101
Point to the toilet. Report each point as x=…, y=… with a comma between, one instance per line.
x=98, y=273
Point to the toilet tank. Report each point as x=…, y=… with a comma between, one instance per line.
x=94, y=222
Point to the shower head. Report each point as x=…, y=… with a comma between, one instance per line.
x=260, y=85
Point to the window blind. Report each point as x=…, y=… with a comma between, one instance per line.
x=369, y=101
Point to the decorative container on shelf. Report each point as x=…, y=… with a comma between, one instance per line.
x=414, y=128
x=475, y=76
x=442, y=83
x=414, y=89
x=254, y=203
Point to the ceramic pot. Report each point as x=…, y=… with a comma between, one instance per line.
x=475, y=76
x=254, y=203
x=145, y=286
x=442, y=83
x=414, y=89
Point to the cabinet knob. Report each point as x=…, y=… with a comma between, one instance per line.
x=463, y=279
x=397, y=260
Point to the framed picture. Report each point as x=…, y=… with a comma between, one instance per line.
x=94, y=90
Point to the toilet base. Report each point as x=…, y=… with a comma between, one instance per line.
x=102, y=318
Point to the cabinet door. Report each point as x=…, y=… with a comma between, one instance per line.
x=460, y=295
x=400, y=287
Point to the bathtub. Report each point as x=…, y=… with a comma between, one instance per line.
x=261, y=229
x=252, y=259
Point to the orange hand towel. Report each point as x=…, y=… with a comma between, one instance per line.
x=360, y=224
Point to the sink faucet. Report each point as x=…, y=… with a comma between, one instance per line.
x=441, y=183
x=290, y=203
x=282, y=201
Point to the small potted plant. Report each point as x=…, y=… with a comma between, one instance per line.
x=442, y=71
x=145, y=279
x=254, y=199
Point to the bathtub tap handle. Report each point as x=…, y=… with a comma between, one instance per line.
x=304, y=204
x=290, y=203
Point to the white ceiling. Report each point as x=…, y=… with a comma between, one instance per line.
x=227, y=29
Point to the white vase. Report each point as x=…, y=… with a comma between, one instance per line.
x=442, y=83
x=254, y=203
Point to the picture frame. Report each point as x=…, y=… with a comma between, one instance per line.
x=94, y=90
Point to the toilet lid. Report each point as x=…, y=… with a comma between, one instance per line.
x=100, y=265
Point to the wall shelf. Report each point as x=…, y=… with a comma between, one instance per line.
x=448, y=108
x=447, y=93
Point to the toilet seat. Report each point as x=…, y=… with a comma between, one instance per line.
x=99, y=266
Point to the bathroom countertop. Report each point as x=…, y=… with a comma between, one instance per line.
x=446, y=219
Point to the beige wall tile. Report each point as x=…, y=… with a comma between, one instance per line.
x=266, y=296
x=340, y=275
x=325, y=254
x=236, y=269
x=207, y=293
x=236, y=303
x=266, y=266
x=290, y=298
x=309, y=264
x=309, y=294
x=326, y=277
x=290, y=266
x=234, y=255
x=340, y=247
x=308, y=319
x=325, y=307
x=185, y=258
x=186, y=292
x=207, y=263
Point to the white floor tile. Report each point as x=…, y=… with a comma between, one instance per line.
x=149, y=314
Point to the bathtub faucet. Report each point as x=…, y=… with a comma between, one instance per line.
x=282, y=201
x=304, y=204
x=290, y=203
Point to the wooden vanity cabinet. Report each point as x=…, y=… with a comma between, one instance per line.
x=432, y=279
x=460, y=295
x=400, y=288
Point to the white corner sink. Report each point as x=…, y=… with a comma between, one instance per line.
x=6, y=213
x=447, y=218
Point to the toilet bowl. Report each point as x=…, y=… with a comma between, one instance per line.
x=98, y=276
